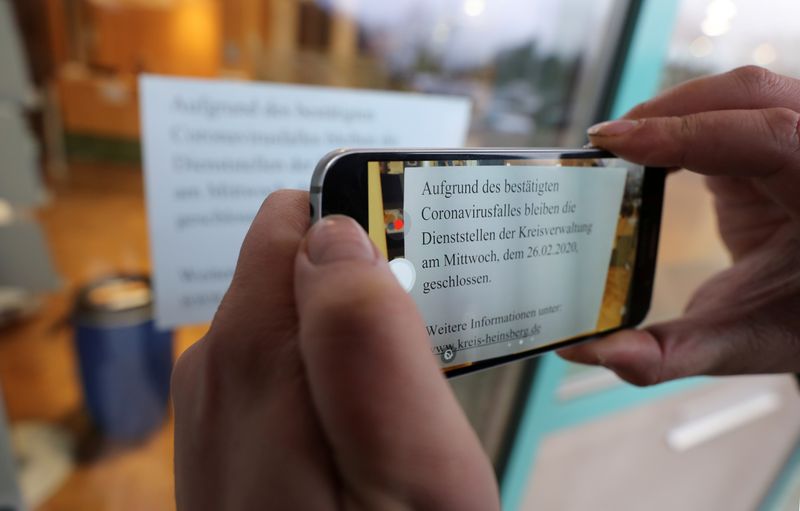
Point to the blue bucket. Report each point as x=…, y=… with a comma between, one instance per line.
x=125, y=362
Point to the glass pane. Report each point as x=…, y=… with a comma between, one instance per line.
x=713, y=36
x=69, y=110
x=718, y=35
x=710, y=36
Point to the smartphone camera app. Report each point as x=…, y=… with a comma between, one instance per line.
x=508, y=256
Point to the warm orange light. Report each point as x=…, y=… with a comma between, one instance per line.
x=149, y=4
x=195, y=34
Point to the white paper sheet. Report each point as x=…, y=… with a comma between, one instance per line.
x=509, y=258
x=213, y=150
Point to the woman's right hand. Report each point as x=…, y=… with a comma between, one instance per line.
x=742, y=130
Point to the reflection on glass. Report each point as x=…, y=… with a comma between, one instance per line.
x=518, y=60
x=712, y=36
x=530, y=67
x=534, y=69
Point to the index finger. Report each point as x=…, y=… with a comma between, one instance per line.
x=748, y=87
x=261, y=295
x=759, y=144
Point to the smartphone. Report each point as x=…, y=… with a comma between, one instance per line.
x=508, y=253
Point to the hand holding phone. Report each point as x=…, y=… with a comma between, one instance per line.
x=740, y=129
x=507, y=253
x=316, y=356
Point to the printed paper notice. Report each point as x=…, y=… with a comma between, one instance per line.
x=213, y=150
x=509, y=258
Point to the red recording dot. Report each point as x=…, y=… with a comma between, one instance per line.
x=398, y=224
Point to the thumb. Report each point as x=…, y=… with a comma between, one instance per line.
x=689, y=346
x=395, y=427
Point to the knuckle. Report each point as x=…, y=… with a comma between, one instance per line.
x=279, y=224
x=756, y=80
x=635, y=372
x=687, y=127
x=783, y=125
x=280, y=197
x=685, y=133
x=195, y=385
x=639, y=111
x=184, y=369
x=641, y=380
x=284, y=204
x=270, y=201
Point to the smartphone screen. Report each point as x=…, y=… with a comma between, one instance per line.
x=508, y=257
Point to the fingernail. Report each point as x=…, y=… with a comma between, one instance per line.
x=612, y=128
x=338, y=238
